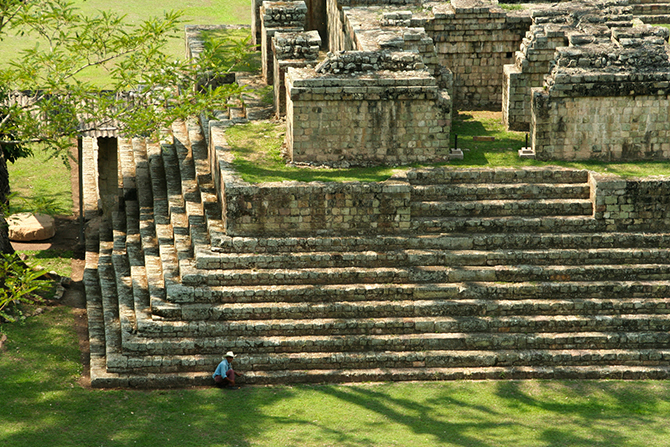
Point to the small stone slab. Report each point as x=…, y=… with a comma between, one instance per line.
x=456, y=154
x=28, y=227
x=483, y=138
x=526, y=152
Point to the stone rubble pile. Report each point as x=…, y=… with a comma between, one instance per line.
x=368, y=61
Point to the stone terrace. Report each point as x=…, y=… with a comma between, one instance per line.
x=476, y=274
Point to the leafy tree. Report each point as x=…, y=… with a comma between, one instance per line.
x=44, y=97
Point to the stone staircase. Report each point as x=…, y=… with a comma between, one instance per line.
x=504, y=274
x=651, y=11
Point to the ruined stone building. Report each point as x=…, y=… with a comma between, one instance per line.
x=586, y=79
x=437, y=273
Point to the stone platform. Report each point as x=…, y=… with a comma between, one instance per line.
x=514, y=274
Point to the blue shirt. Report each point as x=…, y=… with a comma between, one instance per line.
x=222, y=369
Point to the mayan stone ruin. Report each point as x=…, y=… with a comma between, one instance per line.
x=437, y=273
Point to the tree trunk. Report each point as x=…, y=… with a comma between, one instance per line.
x=5, y=245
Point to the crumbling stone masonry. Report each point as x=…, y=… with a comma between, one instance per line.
x=296, y=50
x=606, y=98
x=390, y=111
x=276, y=17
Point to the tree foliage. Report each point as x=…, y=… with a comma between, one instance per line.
x=45, y=98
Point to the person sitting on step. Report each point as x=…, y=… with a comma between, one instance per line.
x=224, y=376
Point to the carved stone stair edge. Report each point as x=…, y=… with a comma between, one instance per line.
x=153, y=279
x=367, y=292
x=437, y=176
x=231, y=312
x=424, y=274
x=478, y=191
x=441, y=349
x=239, y=261
x=487, y=225
x=396, y=325
x=456, y=241
x=208, y=196
x=502, y=208
x=169, y=380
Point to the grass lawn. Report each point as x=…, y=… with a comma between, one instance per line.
x=196, y=12
x=40, y=183
x=257, y=150
x=42, y=404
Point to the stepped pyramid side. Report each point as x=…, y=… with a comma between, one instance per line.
x=498, y=274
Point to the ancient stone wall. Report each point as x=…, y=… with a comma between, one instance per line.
x=316, y=208
x=531, y=65
x=366, y=108
x=606, y=99
x=561, y=25
x=632, y=205
x=473, y=39
x=278, y=17
x=295, y=50
x=292, y=208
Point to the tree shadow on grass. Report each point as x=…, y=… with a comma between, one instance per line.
x=601, y=413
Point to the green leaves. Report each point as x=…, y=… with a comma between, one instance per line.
x=58, y=104
x=18, y=284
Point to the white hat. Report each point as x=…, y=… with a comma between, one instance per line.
x=230, y=354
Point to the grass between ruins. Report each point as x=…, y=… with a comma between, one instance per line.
x=258, y=159
x=43, y=404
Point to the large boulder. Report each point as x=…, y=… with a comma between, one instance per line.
x=28, y=227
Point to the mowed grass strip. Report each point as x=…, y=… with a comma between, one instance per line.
x=40, y=183
x=257, y=148
x=258, y=159
x=43, y=404
x=503, y=152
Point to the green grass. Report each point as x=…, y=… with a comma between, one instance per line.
x=59, y=261
x=42, y=404
x=40, y=183
x=251, y=63
x=503, y=152
x=257, y=150
x=511, y=6
x=196, y=12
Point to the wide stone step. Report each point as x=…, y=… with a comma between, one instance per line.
x=615, y=372
x=651, y=8
x=504, y=224
x=654, y=18
x=503, y=208
x=614, y=289
x=411, y=308
x=424, y=274
x=215, y=345
x=190, y=379
x=400, y=323
x=211, y=258
x=436, y=257
x=492, y=176
x=453, y=359
x=256, y=364
x=521, y=191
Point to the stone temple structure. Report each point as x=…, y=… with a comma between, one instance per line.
x=437, y=273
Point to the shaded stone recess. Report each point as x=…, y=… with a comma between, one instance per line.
x=292, y=50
